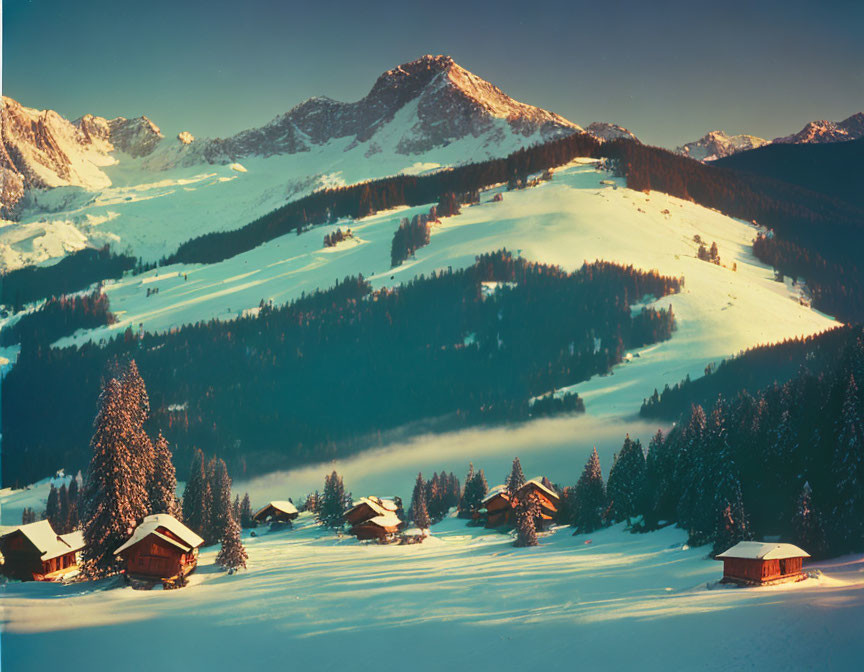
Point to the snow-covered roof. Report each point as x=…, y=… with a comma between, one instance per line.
x=47, y=541
x=380, y=505
x=759, y=550
x=151, y=525
x=387, y=520
x=539, y=483
x=280, y=505
x=494, y=492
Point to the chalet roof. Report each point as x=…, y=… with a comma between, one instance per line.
x=47, y=541
x=758, y=550
x=280, y=505
x=539, y=483
x=379, y=505
x=494, y=492
x=151, y=525
x=387, y=520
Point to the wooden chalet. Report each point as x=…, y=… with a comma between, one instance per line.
x=35, y=552
x=276, y=512
x=374, y=518
x=756, y=563
x=500, y=511
x=160, y=548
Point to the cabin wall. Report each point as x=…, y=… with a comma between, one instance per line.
x=153, y=557
x=759, y=571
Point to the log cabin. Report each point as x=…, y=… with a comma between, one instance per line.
x=374, y=518
x=160, y=548
x=500, y=510
x=35, y=552
x=382, y=528
x=280, y=511
x=756, y=563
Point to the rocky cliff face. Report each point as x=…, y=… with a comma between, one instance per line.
x=850, y=128
x=717, y=144
x=42, y=150
x=603, y=130
x=418, y=106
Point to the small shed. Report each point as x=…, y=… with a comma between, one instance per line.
x=497, y=506
x=276, y=512
x=160, y=548
x=380, y=527
x=758, y=563
x=35, y=552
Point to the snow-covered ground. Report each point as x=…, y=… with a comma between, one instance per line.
x=465, y=599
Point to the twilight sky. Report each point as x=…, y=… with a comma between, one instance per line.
x=669, y=71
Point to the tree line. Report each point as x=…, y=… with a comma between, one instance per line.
x=58, y=317
x=334, y=371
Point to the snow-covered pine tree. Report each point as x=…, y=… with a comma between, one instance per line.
x=847, y=518
x=220, y=487
x=197, y=497
x=63, y=496
x=232, y=555
x=527, y=512
x=626, y=485
x=516, y=479
x=589, y=497
x=807, y=525
x=28, y=516
x=137, y=402
x=115, y=496
x=331, y=507
x=235, y=509
x=419, y=509
x=708, y=454
x=733, y=524
x=660, y=499
x=163, y=483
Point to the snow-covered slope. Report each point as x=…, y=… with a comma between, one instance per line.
x=465, y=599
x=580, y=215
x=717, y=144
x=121, y=182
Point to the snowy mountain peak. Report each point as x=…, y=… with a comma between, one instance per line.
x=411, y=109
x=603, y=130
x=717, y=144
x=822, y=130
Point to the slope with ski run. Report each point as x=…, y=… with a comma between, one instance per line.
x=464, y=599
x=581, y=215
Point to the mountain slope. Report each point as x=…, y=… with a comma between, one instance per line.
x=823, y=131
x=120, y=182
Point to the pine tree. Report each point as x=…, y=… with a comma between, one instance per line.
x=246, y=512
x=235, y=509
x=53, y=514
x=72, y=516
x=733, y=525
x=28, y=516
x=848, y=471
x=626, y=486
x=137, y=403
x=220, y=487
x=808, y=529
x=163, y=483
x=232, y=555
x=516, y=479
x=589, y=497
x=527, y=512
x=197, y=497
x=465, y=501
x=63, y=496
x=419, y=510
x=115, y=494
x=331, y=507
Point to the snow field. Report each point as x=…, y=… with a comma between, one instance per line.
x=464, y=599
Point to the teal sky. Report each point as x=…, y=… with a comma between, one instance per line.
x=669, y=71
